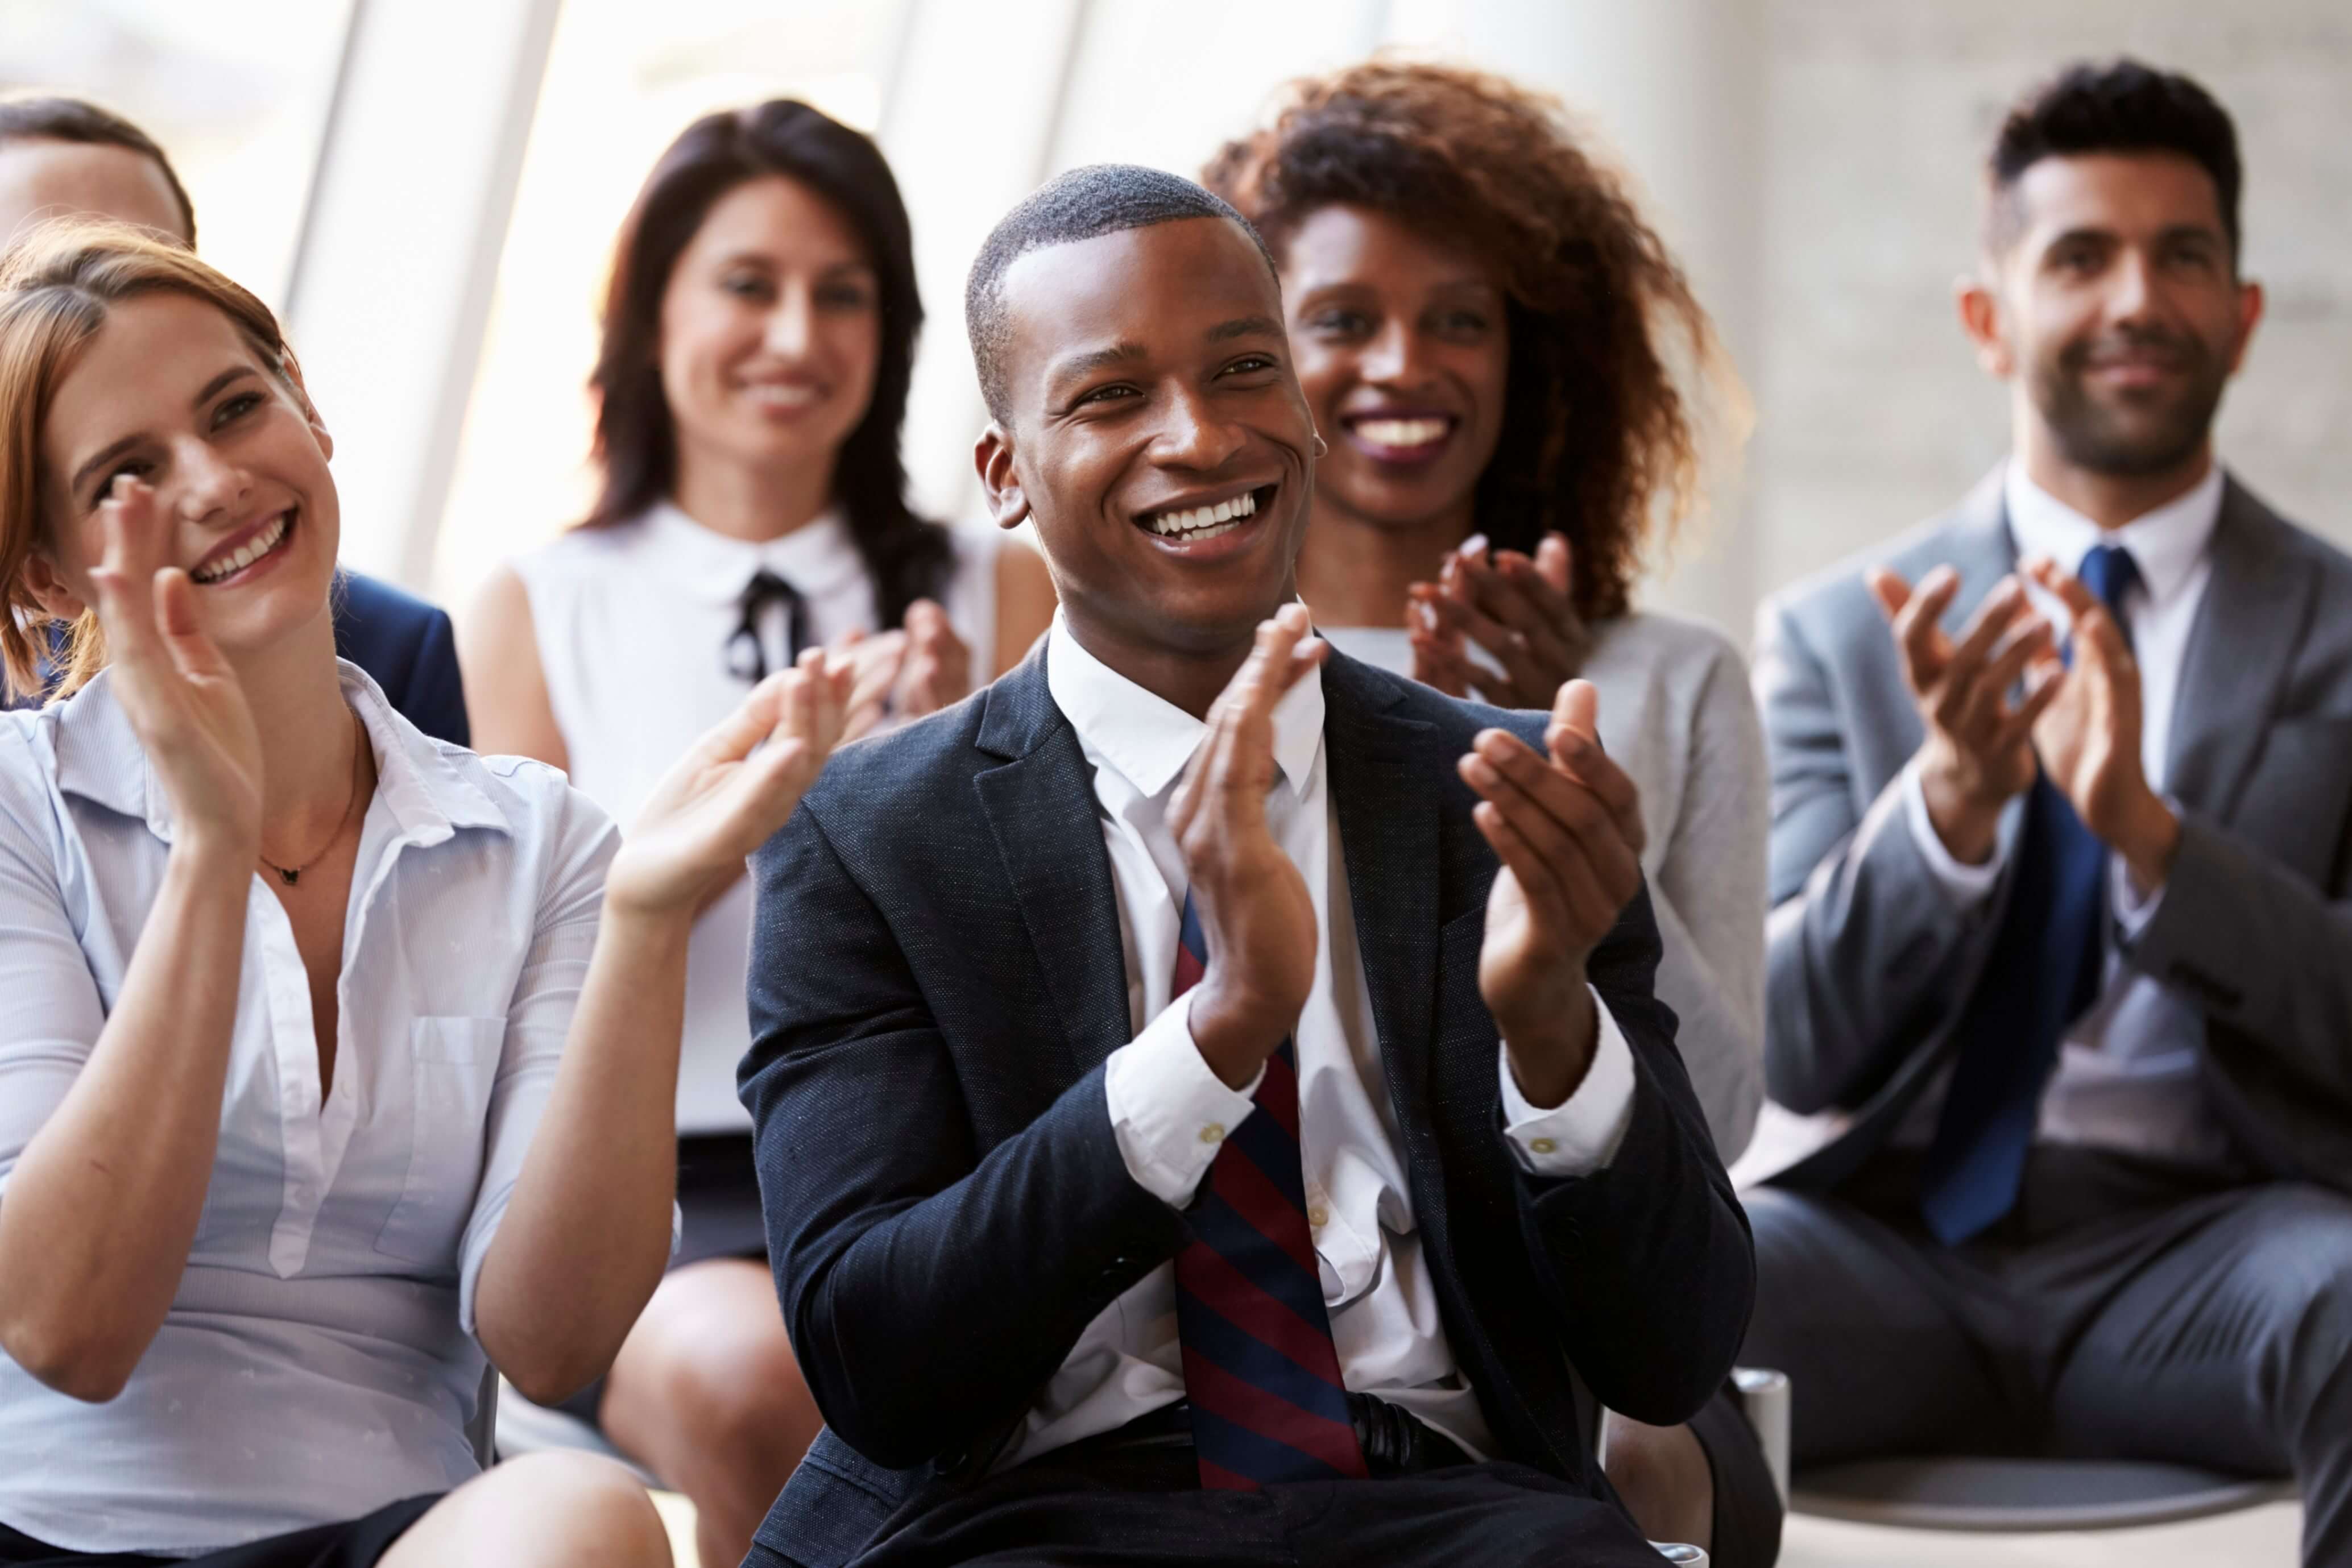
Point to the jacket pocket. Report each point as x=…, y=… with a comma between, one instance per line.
x=452, y=1063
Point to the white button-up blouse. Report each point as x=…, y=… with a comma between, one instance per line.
x=318, y=1362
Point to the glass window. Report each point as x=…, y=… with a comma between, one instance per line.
x=241, y=110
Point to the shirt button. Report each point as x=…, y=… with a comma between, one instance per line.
x=1541, y=1146
x=1319, y=1217
x=1215, y=1133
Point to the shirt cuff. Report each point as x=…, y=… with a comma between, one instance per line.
x=1581, y=1135
x=1168, y=1111
x=1968, y=884
x=2133, y=909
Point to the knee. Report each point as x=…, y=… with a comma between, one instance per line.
x=597, y=1514
x=740, y=1396
x=1660, y=1473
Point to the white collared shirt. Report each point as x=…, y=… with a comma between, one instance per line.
x=632, y=623
x=317, y=1360
x=1163, y=1097
x=2127, y=1075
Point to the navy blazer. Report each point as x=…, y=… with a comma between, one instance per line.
x=408, y=645
x=404, y=644
x=937, y=977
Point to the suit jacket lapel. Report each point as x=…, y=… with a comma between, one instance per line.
x=1041, y=808
x=2238, y=655
x=1388, y=841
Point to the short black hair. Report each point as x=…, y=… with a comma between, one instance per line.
x=2116, y=105
x=48, y=118
x=1085, y=204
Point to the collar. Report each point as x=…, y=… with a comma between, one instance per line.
x=817, y=558
x=2166, y=543
x=1147, y=740
x=100, y=758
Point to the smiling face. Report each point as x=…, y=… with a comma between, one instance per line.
x=770, y=329
x=1403, y=352
x=2120, y=303
x=170, y=392
x=1155, y=433
x=41, y=179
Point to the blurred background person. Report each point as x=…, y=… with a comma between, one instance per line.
x=1480, y=320
x=759, y=333
x=64, y=156
x=2069, y=940
x=286, y=1157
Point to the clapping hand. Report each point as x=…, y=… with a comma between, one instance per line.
x=1518, y=608
x=2088, y=734
x=1979, y=750
x=1567, y=825
x=734, y=789
x=183, y=701
x=937, y=668
x=1255, y=913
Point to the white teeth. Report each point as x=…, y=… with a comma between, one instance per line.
x=1206, y=518
x=252, y=551
x=783, y=394
x=1402, y=432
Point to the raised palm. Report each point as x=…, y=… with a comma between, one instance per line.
x=183, y=701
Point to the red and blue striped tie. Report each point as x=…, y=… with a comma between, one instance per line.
x=1259, y=1365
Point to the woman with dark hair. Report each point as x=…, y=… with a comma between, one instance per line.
x=1486, y=331
x=759, y=335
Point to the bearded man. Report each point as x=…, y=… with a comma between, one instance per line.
x=2060, y=871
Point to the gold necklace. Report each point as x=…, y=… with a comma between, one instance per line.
x=289, y=875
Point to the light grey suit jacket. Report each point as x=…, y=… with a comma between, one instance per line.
x=1868, y=960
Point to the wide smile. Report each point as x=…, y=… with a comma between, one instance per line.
x=1187, y=525
x=248, y=554
x=783, y=399
x=1400, y=436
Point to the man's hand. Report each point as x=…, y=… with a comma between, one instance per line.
x=1978, y=752
x=1568, y=829
x=2089, y=737
x=1253, y=907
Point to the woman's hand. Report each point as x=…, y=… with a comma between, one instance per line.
x=1518, y=609
x=731, y=791
x=183, y=701
x=938, y=670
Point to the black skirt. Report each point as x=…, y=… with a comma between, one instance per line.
x=355, y=1543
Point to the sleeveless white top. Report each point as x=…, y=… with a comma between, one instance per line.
x=633, y=623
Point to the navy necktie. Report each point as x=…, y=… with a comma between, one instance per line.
x=747, y=654
x=2042, y=974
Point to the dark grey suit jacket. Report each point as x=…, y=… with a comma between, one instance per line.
x=1868, y=960
x=937, y=978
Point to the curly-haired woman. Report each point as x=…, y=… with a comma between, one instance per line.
x=1487, y=331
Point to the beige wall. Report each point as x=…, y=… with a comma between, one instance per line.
x=1877, y=115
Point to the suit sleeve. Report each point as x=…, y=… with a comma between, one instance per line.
x=1647, y=1260
x=2264, y=950
x=1864, y=943
x=929, y=1291
x=437, y=691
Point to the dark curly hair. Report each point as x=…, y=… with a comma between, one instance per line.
x=1596, y=430
x=905, y=557
x=2116, y=105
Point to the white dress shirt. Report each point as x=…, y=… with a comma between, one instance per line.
x=1170, y=1113
x=2127, y=1075
x=317, y=1362
x=632, y=623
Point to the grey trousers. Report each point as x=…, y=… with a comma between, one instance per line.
x=2124, y=1310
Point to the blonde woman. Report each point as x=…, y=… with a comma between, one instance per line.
x=337, y=1059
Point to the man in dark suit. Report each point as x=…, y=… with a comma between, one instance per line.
x=1210, y=1105
x=2064, y=920
x=61, y=156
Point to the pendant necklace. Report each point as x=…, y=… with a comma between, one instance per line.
x=291, y=875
